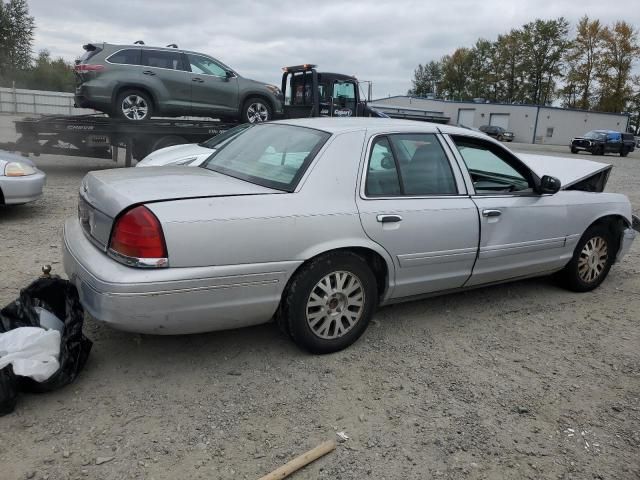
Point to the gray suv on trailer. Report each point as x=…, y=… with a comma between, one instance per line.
x=136, y=82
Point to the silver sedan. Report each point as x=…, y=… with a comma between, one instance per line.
x=316, y=222
x=20, y=180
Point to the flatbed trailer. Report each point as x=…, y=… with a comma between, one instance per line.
x=99, y=136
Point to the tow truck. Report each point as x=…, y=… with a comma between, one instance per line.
x=308, y=93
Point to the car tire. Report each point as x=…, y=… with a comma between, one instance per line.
x=133, y=106
x=318, y=296
x=574, y=150
x=256, y=110
x=500, y=138
x=592, y=259
x=624, y=152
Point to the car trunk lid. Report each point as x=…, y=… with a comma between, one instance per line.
x=105, y=194
x=83, y=70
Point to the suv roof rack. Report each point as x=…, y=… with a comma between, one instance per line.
x=138, y=42
x=172, y=45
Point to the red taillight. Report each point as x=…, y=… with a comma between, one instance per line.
x=85, y=67
x=138, y=235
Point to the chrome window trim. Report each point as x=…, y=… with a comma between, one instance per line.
x=458, y=178
x=140, y=64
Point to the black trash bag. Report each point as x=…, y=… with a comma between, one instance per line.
x=60, y=297
x=8, y=390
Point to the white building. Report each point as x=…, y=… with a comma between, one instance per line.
x=529, y=123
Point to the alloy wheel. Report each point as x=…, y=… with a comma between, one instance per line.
x=257, y=112
x=134, y=107
x=593, y=259
x=335, y=305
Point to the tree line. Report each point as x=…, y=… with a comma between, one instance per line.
x=541, y=64
x=18, y=66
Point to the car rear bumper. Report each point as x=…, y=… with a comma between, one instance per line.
x=17, y=190
x=171, y=300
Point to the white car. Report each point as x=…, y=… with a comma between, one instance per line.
x=190, y=154
x=20, y=180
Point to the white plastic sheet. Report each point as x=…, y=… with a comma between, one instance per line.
x=33, y=352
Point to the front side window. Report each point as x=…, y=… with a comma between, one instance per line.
x=130, y=56
x=411, y=165
x=492, y=170
x=344, y=91
x=162, y=59
x=594, y=135
x=206, y=66
x=274, y=156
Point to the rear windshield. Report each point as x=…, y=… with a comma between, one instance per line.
x=90, y=51
x=271, y=155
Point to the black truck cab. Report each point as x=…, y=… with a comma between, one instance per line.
x=309, y=93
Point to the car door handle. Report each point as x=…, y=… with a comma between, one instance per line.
x=199, y=80
x=491, y=213
x=389, y=218
x=149, y=72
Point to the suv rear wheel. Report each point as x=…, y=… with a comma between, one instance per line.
x=134, y=105
x=256, y=110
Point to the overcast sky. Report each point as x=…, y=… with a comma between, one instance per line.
x=382, y=41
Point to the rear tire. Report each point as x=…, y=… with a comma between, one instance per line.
x=592, y=259
x=256, y=110
x=133, y=106
x=624, y=152
x=329, y=302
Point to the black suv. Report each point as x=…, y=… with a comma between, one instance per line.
x=136, y=82
x=599, y=142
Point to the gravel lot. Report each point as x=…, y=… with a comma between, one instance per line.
x=520, y=381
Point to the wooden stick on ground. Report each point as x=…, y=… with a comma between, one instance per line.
x=301, y=461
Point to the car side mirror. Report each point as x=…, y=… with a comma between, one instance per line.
x=549, y=184
x=230, y=74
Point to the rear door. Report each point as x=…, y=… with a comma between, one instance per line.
x=166, y=73
x=213, y=90
x=522, y=232
x=414, y=203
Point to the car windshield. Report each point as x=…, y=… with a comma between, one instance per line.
x=274, y=156
x=218, y=140
x=593, y=135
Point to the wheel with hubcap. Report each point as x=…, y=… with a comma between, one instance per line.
x=256, y=110
x=134, y=106
x=329, y=302
x=592, y=260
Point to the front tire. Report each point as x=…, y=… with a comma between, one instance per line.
x=624, y=152
x=256, y=110
x=592, y=260
x=574, y=150
x=133, y=106
x=500, y=138
x=329, y=302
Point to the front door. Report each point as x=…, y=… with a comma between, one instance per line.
x=343, y=99
x=414, y=204
x=521, y=232
x=213, y=91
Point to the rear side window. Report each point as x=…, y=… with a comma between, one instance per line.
x=409, y=164
x=130, y=56
x=162, y=59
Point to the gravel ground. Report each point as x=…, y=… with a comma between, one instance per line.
x=519, y=381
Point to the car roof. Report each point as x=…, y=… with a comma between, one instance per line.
x=339, y=125
x=149, y=47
